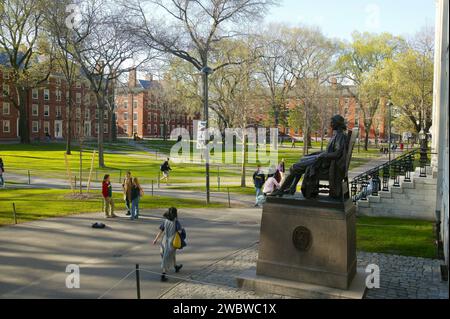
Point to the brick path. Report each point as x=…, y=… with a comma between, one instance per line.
x=400, y=278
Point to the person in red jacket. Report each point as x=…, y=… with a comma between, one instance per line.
x=107, y=197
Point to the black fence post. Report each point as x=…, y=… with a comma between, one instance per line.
x=138, y=282
x=29, y=178
x=14, y=213
x=229, y=198
x=152, y=188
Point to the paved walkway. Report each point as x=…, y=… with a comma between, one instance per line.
x=34, y=256
x=400, y=278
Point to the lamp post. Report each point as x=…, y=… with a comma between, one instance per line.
x=390, y=104
x=423, y=153
x=206, y=71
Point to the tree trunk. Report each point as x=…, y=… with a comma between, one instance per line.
x=366, y=140
x=244, y=158
x=69, y=126
x=101, y=159
x=24, y=129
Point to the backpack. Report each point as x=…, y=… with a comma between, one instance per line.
x=98, y=225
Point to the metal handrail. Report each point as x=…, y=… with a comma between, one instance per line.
x=380, y=175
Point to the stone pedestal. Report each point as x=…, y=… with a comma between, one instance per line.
x=309, y=243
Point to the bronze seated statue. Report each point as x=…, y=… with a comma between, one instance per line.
x=330, y=165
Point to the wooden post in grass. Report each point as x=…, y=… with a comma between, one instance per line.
x=159, y=179
x=218, y=178
x=29, y=178
x=14, y=213
x=152, y=187
x=90, y=172
x=69, y=173
x=229, y=198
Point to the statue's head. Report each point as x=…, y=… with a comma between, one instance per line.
x=338, y=123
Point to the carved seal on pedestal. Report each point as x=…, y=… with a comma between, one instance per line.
x=302, y=238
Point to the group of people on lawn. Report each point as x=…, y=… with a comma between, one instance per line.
x=169, y=230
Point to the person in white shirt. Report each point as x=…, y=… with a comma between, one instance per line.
x=271, y=185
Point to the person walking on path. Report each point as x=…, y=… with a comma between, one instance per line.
x=107, y=197
x=168, y=229
x=2, y=170
x=165, y=169
x=258, y=180
x=126, y=186
x=136, y=194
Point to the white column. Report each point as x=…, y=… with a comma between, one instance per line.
x=436, y=84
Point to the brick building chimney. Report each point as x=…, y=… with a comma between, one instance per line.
x=132, y=78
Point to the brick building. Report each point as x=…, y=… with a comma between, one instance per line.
x=340, y=100
x=137, y=113
x=47, y=110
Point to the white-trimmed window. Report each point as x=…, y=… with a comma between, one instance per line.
x=46, y=95
x=5, y=90
x=58, y=94
x=105, y=115
x=78, y=113
x=87, y=114
x=6, y=108
x=35, y=94
x=125, y=128
x=125, y=116
x=135, y=104
x=46, y=110
x=58, y=110
x=58, y=81
x=135, y=128
x=35, y=126
x=135, y=116
x=47, y=127
x=96, y=114
x=78, y=98
x=125, y=105
x=6, y=126
x=105, y=128
x=35, y=110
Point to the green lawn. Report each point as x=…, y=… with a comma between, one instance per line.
x=47, y=160
x=33, y=204
x=396, y=236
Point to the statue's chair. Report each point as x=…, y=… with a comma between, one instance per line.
x=339, y=188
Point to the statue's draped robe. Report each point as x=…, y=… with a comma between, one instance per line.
x=330, y=166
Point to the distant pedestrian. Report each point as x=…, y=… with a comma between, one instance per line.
x=258, y=180
x=2, y=170
x=170, y=228
x=136, y=193
x=107, y=197
x=293, y=143
x=165, y=169
x=126, y=186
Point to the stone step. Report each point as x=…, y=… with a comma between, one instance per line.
x=400, y=207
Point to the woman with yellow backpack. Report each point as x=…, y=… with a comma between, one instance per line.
x=173, y=239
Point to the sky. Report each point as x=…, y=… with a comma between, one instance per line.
x=339, y=18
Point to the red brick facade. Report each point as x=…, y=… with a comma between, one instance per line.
x=135, y=114
x=48, y=112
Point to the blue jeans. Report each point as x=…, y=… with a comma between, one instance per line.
x=135, y=207
x=258, y=193
x=2, y=181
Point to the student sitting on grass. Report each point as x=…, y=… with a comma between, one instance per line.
x=169, y=228
x=107, y=197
